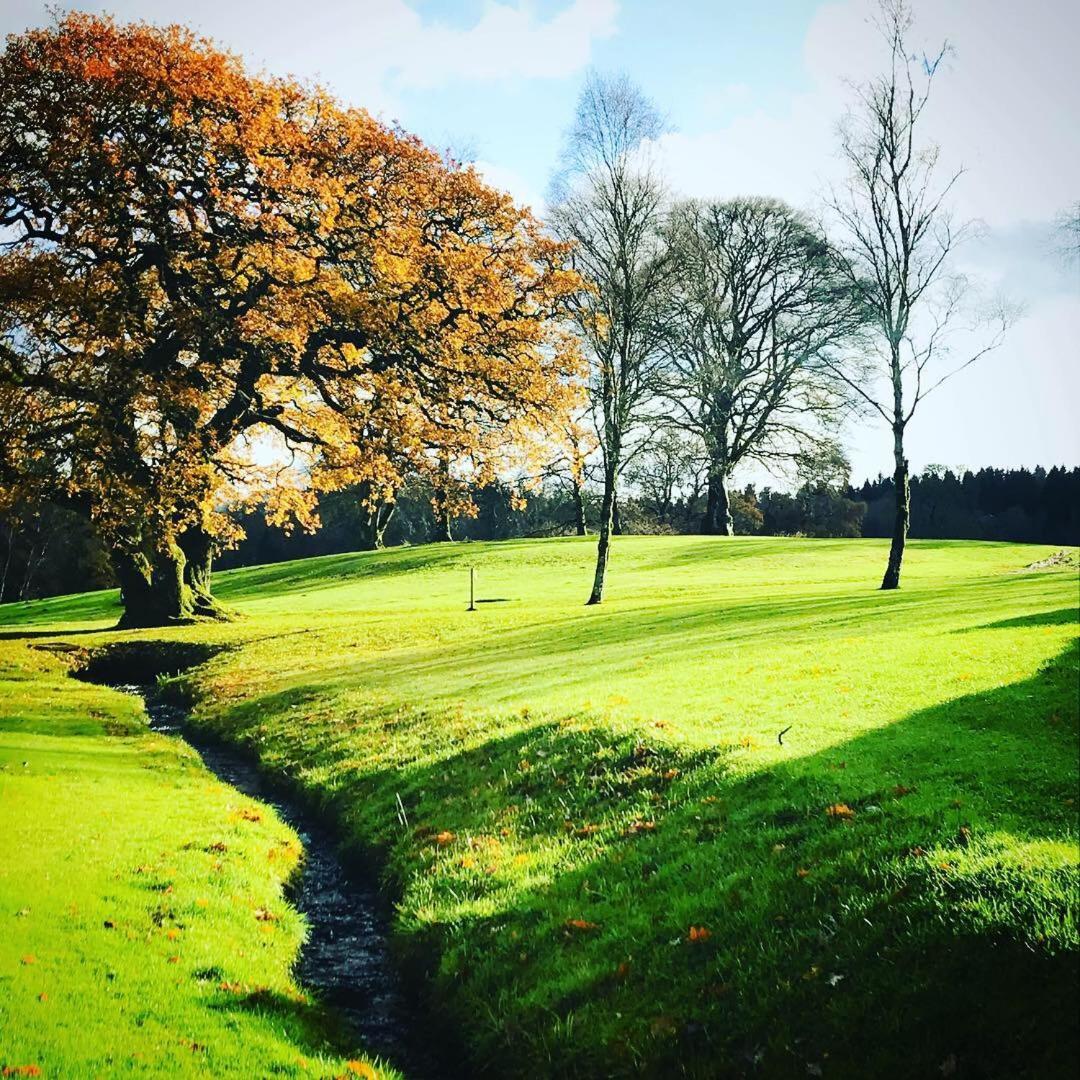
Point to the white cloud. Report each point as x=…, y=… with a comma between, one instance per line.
x=1004, y=108
x=507, y=42
x=369, y=51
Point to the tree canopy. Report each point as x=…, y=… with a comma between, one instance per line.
x=219, y=287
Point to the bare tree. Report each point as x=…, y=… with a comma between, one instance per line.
x=670, y=468
x=1068, y=231
x=609, y=201
x=899, y=235
x=760, y=302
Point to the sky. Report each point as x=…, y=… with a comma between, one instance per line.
x=753, y=93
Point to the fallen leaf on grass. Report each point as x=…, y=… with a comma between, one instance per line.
x=360, y=1068
x=840, y=810
x=28, y=959
x=444, y=838
x=580, y=925
x=637, y=827
x=21, y=1070
x=698, y=934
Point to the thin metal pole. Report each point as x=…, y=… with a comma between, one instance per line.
x=472, y=589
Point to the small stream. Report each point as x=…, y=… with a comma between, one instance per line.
x=345, y=960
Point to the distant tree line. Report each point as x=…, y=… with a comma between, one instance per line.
x=51, y=552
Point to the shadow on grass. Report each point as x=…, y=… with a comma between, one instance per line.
x=925, y=925
x=1058, y=617
x=28, y=635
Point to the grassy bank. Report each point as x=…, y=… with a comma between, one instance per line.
x=142, y=925
x=604, y=855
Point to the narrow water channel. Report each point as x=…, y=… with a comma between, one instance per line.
x=345, y=960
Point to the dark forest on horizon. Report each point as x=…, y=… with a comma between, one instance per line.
x=48, y=551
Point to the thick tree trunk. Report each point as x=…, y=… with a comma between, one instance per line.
x=153, y=593
x=162, y=588
x=902, y=519
x=198, y=550
x=717, y=520
x=603, y=546
x=579, y=511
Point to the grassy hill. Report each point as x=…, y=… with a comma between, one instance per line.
x=604, y=857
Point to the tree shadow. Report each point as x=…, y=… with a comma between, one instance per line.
x=894, y=905
x=29, y=635
x=1057, y=617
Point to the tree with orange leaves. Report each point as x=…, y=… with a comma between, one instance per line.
x=196, y=262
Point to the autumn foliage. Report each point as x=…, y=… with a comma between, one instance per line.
x=218, y=288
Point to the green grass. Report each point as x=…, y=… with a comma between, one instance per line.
x=559, y=794
x=142, y=925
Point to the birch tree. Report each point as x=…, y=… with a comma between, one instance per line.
x=608, y=199
x=900, y=238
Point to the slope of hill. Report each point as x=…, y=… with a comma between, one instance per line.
x=749, y=815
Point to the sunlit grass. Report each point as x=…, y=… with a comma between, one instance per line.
x=142, y=924
x=559, y=794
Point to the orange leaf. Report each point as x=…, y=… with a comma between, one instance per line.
x=699, y=934
x=580, y=925
x=361, y=1068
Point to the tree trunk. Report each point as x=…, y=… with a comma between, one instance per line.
x=579, y=511
x=442, y=533
x=440, y=503
x=10, y=529
x=902, y=519
x=374, y=526
x=198, y=550
x=153, y=593
x=616, y=517
x=603, y=546
x=158, y=589
x=717, y=520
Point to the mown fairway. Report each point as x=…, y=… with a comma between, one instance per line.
x=603, y=857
